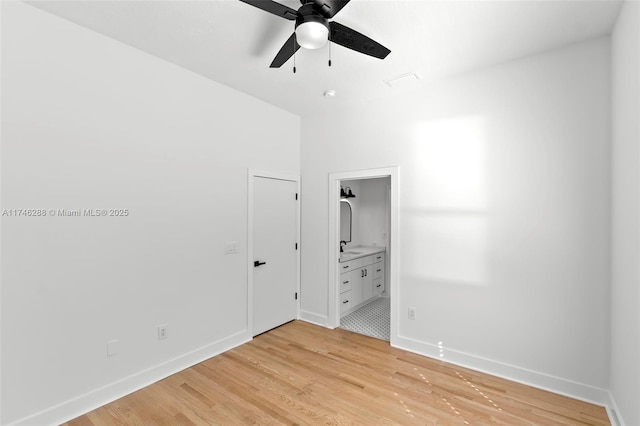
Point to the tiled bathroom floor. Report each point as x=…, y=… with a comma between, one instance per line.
x=373, y=319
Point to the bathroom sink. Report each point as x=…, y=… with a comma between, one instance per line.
x=359, y=251
x=352, y=252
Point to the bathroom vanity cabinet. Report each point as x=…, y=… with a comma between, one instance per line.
x=361, y=278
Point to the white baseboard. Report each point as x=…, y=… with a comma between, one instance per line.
x=613, y=412
x=97, y=398
x=539, y=380
x=321, y=320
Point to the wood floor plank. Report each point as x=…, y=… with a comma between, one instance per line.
x=302, y=374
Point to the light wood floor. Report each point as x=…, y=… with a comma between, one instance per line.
x=305, y=374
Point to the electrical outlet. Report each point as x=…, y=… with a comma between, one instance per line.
x=412, y=313
x=163, y=331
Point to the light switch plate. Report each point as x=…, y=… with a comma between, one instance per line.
x=231, y=247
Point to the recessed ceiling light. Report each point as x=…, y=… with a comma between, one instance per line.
x=393, y=81
x=329, y=93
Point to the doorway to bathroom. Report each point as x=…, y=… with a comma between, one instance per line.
x=363, y=229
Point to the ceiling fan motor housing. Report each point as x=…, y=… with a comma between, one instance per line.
x=309, y=13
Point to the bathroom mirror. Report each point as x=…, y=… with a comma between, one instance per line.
x=345, y=221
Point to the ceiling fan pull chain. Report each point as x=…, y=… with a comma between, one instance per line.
x=329, y=51
x=294, y=54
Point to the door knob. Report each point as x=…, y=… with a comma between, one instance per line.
x=258, y=263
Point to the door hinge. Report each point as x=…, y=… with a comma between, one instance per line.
x=296, y=195
x=296, y=296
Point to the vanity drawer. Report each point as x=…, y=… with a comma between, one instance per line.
x=378, y=257
x=378, y=270
x=378, y=286
x=345, y=282
x=350, y=265
x=367, y=260
x=345, y=301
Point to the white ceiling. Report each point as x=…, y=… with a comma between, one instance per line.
x=233, y=43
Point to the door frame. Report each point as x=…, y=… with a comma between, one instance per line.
x=251, y=175
x=333, y=308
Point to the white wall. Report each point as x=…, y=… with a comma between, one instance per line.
x=373, y=218
x=625, y=290
x=504, y=214
x=89, y=123
x=369, y=207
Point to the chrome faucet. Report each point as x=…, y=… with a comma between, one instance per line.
x=342, y=244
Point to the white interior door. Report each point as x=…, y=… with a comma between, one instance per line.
x=274, y=253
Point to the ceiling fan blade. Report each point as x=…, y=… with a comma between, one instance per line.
x=329, y=8
x=286, y=51
x=351, y=39
x=274, y=7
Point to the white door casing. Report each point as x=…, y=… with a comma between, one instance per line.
x=333, y=308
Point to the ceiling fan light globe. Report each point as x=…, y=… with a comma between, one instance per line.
x=312, y=35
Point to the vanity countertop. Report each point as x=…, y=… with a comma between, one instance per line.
x=357, y=252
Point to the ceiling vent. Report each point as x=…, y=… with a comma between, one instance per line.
x=402, y=79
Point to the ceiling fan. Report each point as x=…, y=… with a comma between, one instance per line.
x=313, y=29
